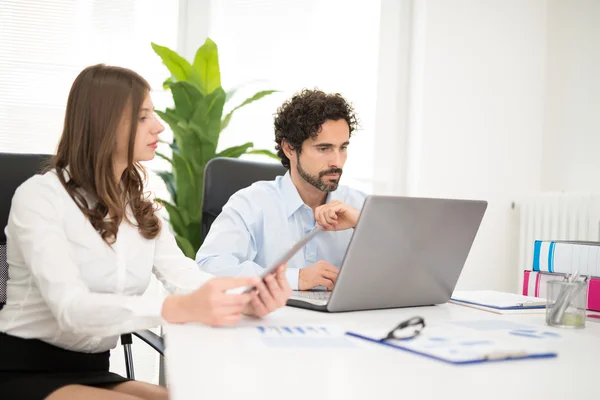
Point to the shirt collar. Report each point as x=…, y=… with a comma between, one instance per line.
x=291, y=197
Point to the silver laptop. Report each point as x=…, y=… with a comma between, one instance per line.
x=405, y=252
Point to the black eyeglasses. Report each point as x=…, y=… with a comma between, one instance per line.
x=405, y=330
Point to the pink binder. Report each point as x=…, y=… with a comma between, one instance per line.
x=534, y=284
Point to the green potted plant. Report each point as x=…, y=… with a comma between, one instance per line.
x=196, y=121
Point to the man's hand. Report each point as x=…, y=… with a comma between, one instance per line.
x=270, y=296
x=336, y=216
x=320, y=274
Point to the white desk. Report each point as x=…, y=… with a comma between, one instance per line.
x=208, y=363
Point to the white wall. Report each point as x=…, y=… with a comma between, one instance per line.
x=391, y=112
x=273, y=44
x=571, y=158
x=194, y=25
x=489, y=99
x=475, y=114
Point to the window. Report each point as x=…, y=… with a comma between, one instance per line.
x=46, y=43
x=283, y=45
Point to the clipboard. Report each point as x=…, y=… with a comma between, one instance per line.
x=476, y=357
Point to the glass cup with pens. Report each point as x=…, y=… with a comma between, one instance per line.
x=567, y=302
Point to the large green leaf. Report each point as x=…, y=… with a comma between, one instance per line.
x=169, y=117
x=201, y=132
x=206, y=63
x=173, y=121
x=208, y=115
x=197, y=151
x=169, y=181
x=176, y=217
x=183, y=133
x=264, y=152
x=195, y=234
x=185, y=96
x=251, y=99
x=188, y=182
x=185, y=246
x=178, y=66
x=184, y=181
x=167, y=83
x=235, y=151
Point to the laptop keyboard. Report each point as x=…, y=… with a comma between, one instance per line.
x=311, y=295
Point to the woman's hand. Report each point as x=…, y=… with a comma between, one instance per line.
x=272, y=294
x=210, y=304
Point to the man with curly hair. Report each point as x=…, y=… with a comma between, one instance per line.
x=259, y=223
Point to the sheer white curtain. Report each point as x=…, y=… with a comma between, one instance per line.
x=289, y=45
x=44, y=44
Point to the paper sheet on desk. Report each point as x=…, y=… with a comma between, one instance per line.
x=279, y=336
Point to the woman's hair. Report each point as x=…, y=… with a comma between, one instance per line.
x=301, y=118
x=101, y=99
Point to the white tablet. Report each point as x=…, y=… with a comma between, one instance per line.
x=281, y=260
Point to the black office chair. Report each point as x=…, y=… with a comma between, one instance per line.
x=16, y=169
x=225, y=176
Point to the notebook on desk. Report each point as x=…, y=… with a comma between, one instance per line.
x=499, y=302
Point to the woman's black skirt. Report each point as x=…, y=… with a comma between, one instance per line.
x=32, y=369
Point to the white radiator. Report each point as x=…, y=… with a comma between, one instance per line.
x=556, y=216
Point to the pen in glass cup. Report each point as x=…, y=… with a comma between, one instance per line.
x=564, y=298
x=559, y=299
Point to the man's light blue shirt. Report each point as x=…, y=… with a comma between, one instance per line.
x=260, y=223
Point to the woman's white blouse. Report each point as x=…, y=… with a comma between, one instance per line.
x=68, y=287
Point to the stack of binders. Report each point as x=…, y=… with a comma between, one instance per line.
x=554, y=260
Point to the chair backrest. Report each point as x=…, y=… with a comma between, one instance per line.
x=225, y=176
x=16, y=169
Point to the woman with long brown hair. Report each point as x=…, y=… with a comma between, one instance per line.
x=82, y=242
